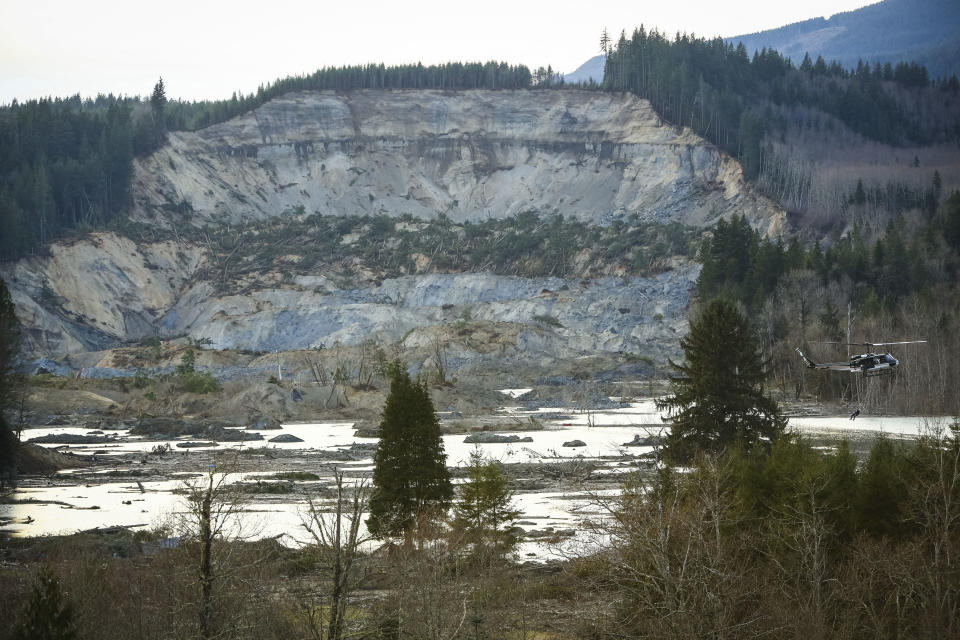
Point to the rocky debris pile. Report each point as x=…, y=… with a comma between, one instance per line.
x=494, y=438
x=574, y=443
x=221, y=434
x=367, y=431
x=355, y=452
x=363, y=447
x=643, y=441
x=549, y=534
x=566, y=392
x=34, y=459
x=285, y=437
x=71, y=438
x=170, y=428
x=105, y=425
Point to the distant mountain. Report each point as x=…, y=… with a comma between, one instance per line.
x=592, y=69
x=923, y=31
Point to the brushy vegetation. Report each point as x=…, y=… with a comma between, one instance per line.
x=188, y=379
x=523, y=245
x=295, y=475
x=269, y=488
x=793, y=542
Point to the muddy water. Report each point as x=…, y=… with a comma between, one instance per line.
x=100, y=500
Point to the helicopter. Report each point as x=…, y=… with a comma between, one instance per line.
x=869, y=364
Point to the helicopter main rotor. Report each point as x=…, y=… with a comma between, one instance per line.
x=871, y=344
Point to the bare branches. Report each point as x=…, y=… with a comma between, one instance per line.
x=212, y=509
x=337, y=538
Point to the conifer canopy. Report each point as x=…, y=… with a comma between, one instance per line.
x=410, y=477
x=9, y=349
x=485, y=509
x=718, y=397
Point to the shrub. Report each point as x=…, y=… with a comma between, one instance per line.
x=295, y=475
x=548, y=320
x=198, y=382
x=140, y=379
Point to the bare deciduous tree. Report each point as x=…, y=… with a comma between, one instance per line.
x=337, y=539
x=211, y=522
x=438, y=356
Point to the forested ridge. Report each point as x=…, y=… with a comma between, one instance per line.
x=727, y=97
x=66, y=164
x=882, y=243
x=891, y=30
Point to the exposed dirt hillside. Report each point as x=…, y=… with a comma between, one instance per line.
x=470, y=155
x=231, y=252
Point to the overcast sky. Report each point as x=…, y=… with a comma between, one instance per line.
x=206, y=49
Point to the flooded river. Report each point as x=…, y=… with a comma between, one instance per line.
x=113, y=494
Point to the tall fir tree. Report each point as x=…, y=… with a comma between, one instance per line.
x=9, y=348
x=158, y=103
x=411, y=483
x=718, y=397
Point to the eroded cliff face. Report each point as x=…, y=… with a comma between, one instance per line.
x=105, y=290
x=467, y=155
x=98, y=291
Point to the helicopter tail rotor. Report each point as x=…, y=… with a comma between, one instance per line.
x=810, y=363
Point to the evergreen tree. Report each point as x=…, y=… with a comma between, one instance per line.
x=728, y=261
x=47, y=615
x=484, y=507
x=718, y=398
x=9, y=347
x=187, y=363
x=411, y=484
x=830, y=320
x=158, y=103
x=951, y=220
x=879, y=504
x=859, y=195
